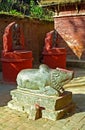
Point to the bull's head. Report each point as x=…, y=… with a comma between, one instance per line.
x=60, y=77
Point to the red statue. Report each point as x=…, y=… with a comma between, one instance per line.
x=52, y=55
x=14, y=56
x=50, y=41
x=13, y=34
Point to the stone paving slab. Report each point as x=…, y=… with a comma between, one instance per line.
x=13, y=120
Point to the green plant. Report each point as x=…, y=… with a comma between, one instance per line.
x=9, y=6
x=35, y=10
x=38, y=12
x=17, y=7
x=15, y=12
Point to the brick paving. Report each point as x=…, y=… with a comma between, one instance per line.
x=14, y=120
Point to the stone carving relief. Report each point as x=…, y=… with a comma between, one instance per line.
x=13, y=38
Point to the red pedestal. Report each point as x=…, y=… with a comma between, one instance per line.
x=13, y=62
x=55, y=58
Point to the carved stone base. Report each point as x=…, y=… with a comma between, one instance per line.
x=39, y=105
x=55, y=115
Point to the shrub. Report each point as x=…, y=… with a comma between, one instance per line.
x=38, y=12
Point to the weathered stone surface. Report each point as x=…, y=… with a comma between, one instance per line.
x=55, y=115
x=15, y=105
x=48, y=102
x=40, y=105
x=33, y=111
x=36, y=112
x=44, y=80
x=40, y=93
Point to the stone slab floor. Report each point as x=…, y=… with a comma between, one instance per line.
x=14, y=120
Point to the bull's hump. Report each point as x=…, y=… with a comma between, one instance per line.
x=28, y=71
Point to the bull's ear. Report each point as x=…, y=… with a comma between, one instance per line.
x=57, y=68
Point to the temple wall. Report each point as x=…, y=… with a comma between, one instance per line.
x=71, y=33
x=70, y=26
x=34, y=33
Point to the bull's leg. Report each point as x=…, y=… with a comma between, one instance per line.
x=50, y=91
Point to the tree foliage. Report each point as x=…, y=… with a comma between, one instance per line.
x=25, y=7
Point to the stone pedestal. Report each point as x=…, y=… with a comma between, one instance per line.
x=13, y=62
x=41, y=105
x=55, y=57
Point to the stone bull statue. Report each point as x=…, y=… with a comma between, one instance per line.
x=44, y=80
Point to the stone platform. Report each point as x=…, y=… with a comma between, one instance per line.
x=42, y=106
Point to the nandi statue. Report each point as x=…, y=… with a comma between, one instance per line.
x=44, y=80
x=40, y=93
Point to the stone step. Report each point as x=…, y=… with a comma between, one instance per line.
x=75, y=63
x=15, y=105
x=76, y=83
x=47, y=102
x=37, y=112
x=33, y=112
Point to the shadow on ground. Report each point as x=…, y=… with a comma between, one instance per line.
x=79, y=100
x=5, y=96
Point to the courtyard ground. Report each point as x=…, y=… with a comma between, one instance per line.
x=14, y=120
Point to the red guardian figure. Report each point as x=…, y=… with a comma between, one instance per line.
x=53, y=56
x=14, y=56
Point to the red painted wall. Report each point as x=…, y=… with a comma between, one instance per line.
x=34, y=32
